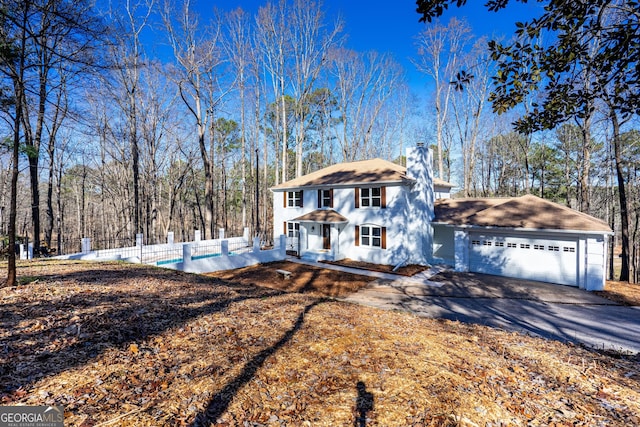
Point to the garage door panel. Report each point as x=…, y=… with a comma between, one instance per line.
x=533, y=258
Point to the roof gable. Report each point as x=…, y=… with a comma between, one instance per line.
x=519, y=212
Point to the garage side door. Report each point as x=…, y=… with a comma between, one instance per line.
x=533, y=258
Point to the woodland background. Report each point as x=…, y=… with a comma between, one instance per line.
x=144, y=117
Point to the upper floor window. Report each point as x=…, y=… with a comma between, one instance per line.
x=367, y=197
x=325, y=198
x=293, y=199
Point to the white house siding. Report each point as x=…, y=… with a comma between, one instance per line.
x=461, y=248
x=400, y=243
x=595, y=263
x=441, y=192
x=390, y=217
x=443, y=244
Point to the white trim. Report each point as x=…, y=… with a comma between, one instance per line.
x=495, y=229
x=403, y=182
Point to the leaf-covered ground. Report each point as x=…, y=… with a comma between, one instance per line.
x=119, y=344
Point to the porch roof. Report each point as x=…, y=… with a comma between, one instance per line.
x=322, y=216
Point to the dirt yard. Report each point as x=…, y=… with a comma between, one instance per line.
x=131, y=345
x=303, y=279
x=621, y=292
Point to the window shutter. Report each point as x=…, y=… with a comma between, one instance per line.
x=383, y=197
x=357, y=200
x=319, y=199
x=301, y=198
x=285, y=228
x=284, y=199
x=384, y=236
x=357, y=235
x=331, y=198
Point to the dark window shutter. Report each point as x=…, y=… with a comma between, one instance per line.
x=331, y=198
x=301, y=198
x=383, y=197
x=284, y=199
x=357, y=235
x=319, y=199
x=384, y=237
x=357, y=199
x=285, y=228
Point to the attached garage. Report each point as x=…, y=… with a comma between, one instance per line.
x=525, y=237
x=534, y=257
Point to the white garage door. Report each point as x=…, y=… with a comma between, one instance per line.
x=534, y=258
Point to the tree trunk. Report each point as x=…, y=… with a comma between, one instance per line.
x=48, y=231
x=622, y=195
x=284, y=135
x=11, y=264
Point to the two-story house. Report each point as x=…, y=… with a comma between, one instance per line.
x=380, y=212
x=372, y=210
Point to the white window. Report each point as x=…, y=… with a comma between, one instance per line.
x=293, y=229
x=372, y=236
x=370, y=197
x=326, y=199
x=294, y=199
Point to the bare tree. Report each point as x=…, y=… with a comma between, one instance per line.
x=440, y=53
x=468, y=108
x=310, y=50
x=38, y=37
x=364, y=83
x=238, y=46
x=274, y=49
x=196, y=51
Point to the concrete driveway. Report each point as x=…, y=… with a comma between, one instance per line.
x=551, y=311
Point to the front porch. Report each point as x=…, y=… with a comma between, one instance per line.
x=319, y=237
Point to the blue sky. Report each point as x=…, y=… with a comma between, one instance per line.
x=388, y=26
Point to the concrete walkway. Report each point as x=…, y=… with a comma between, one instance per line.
x=557, y=312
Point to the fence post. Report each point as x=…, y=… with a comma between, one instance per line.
x=170, y=238
x=86, y=245
x=245, y=235
x=186, y=256
x=197, y=236
x=139, y=241
x=224, y=247
x=283, y=246
x=256, y=244
x=221, y=233
x=23, y=253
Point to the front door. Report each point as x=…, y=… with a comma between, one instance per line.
x=326, y=236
